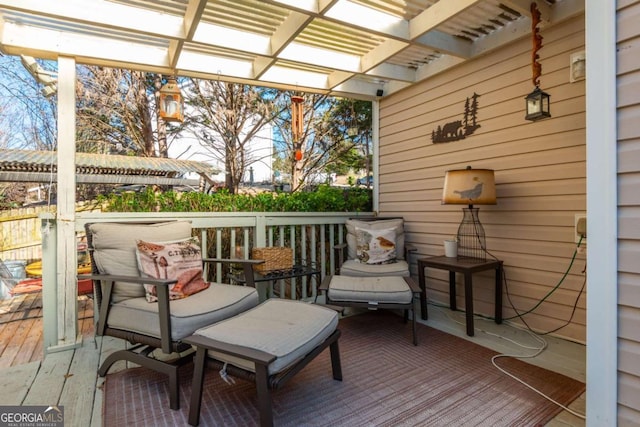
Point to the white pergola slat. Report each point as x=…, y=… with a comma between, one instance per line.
x=330, y=46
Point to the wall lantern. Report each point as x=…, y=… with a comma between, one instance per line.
x=171, y=102
x=537, y=104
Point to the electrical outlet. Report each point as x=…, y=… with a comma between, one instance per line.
x=580, y=227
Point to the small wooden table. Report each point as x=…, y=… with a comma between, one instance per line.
x=467, y=267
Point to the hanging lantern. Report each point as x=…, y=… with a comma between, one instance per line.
x=171, y=103
x=537, y=102
x=297, y=117
x=298, y=155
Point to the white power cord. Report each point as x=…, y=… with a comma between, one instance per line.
x=537, y=352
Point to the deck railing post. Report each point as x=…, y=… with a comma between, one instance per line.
x=261, y=231
x=49, y=274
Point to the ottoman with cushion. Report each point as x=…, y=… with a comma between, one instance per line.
x=393, y=292
x=268, y=344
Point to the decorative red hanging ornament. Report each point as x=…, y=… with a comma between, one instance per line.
x=297, y=117
x=298, y=155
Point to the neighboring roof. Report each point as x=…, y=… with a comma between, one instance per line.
x=41, y=166
x=352, y=48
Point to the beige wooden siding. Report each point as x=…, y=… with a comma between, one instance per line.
x=540, y=174
x=628, y=98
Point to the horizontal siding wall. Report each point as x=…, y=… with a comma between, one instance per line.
x=539, y=167
x=628, y=96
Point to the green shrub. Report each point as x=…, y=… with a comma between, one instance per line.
x=322, y=199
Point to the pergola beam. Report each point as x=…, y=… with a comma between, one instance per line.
x=282, y=49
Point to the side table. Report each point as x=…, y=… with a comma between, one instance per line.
x=270, y=277
x=467, y=267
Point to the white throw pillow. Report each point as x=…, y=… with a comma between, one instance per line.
x=181, y=260
x=397, y=224
x=376, y=246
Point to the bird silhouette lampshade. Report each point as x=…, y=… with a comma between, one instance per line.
x=470, y=187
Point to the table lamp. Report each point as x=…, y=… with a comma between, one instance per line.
x=470, y=187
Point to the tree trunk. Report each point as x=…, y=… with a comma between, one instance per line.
x=229, y=167
x=296, y=175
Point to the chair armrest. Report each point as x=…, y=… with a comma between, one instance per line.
x=162, y=292
x=415, y=288
x=128, y=279
x=408, y=251
x=324, y=286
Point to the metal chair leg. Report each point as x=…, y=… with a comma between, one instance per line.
x=264, y=396
x=196, y=386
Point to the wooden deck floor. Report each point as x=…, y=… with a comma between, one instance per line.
x=21, y=327
x=69, y=378
x=66, y=378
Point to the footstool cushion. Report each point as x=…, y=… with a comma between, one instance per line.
x=268, y=344
x=379, y=289
x=284, y=328
x=374, y=293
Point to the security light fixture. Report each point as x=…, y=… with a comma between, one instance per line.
x=48, y=79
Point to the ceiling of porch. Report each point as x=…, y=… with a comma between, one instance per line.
x=354, y=48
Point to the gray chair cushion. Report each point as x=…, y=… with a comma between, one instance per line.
x=284, y=328
x=115, y=249
x=370, y=289
x=189, y=314
x=355, y=268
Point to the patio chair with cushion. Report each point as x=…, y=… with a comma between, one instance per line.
x=374, y=247
x=376, y=273
x=149, y=291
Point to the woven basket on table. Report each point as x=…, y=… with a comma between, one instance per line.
x=275, y=258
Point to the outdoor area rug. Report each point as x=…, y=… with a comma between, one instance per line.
x=444, y=381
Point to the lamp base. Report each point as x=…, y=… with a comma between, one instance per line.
x=471, y=239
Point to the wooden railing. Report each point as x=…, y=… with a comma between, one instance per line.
x=311, y=236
